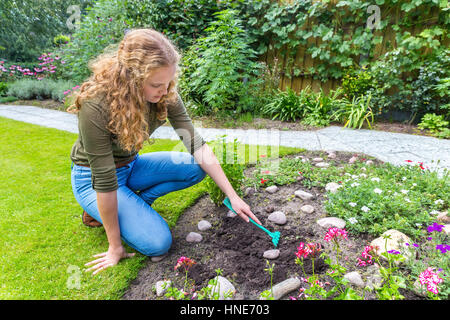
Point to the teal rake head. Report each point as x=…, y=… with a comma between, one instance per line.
x=274, y=235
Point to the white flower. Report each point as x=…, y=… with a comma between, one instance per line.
x=404, y=178
x=404, y=191
x=364, y=208
x=363, y=175
x=434, y=212
x=439, y=201
x=354, y=184
x=418, y=224
x=352, y=204
x=354, y=176
x=375, y=179
x=407, y=199
x=363, y=168
x=352, y=220
x=414, y=184
x=376, y=190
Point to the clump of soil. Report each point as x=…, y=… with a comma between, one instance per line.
x=237, y=247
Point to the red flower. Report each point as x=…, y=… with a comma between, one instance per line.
x=408, y=160
x=263, y=181
x=263, y=156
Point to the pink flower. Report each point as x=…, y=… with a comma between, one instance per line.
x=184, y=262
x=367, y=256
x=304, y=250
x=335, y=234
x=430, y=279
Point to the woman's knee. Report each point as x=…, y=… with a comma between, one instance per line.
x=156, y=245
x=198, y=173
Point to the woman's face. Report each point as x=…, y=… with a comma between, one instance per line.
x=157, y=84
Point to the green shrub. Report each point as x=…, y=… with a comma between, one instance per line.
x=3, y=88
x=357, y=82
x=319, y=106
x=436, y=124
x=27, y=89
x=354, y=113
x=234, y=172
x=214, y=68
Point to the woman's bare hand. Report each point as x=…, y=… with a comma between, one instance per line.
x=242, y=209
x=108, y=259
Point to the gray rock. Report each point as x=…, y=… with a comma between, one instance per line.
x=304, y=195
x=331, y=222
x=271, y=254
x=223, y=287
x=204, y=225
x=231, y=214
x=194, y=237
x=374, y=278
x=283, y=288
x=162, y=286
x=355, y=279
x=272, y=189
x=332, y=187
x=307, y=208
x=277, y=217
x=443, y=217
x=158, y=258
x=317, y=159
x=396, y=241
x=332, y=155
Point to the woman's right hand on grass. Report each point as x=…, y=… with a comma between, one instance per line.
x=108, y=259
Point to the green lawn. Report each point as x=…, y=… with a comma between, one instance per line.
x=44, y=243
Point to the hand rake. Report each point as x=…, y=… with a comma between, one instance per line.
x=275, y=235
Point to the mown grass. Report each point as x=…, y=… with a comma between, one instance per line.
x=44, y=243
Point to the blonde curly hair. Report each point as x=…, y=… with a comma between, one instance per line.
x=120, y=76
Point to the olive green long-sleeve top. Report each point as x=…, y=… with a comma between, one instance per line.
x=98, y=148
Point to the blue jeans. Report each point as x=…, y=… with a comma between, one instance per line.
x=142, y=181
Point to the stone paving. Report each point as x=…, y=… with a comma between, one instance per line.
x=389, y=147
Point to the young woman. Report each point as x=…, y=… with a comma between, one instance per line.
x=130, y=94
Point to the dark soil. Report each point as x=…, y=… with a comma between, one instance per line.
x=237, y=247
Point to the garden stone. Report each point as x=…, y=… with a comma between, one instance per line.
x=330, y=222
x=307, y=208
x=270, y=209
x=194, y=237
x=272, y=189
x=374, y=278
x=204, y=225
x=322, y=165
x=355, y=279
x=223, y=287
x=332, y=155
x=271, y=254
x=248, y=191
x=283, y=288
x=162, y=286
x=332, y=187
x=352, y=159
x=304, y=195
x=277, y=217
x=446, y=229
x=317, y=159
x=369, y=162
x=420, y=289
x=231, y=214
x=443, y=217
x=396, y=241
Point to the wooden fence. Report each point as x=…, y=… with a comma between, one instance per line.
x=303, y=60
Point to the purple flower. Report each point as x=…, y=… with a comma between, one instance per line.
x=435, y=227
x=429, y=238
x=443, y=248
x=394, y=251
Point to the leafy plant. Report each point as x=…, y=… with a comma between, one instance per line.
x=268, y=294
x=436, y=124
x=234, y=172
x=357, y=82
x=286, y=106
x=217, y=64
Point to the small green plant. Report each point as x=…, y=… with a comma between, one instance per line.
x=212, y=290
x=268, y=294
x=435, y=124
x=234, y=172
x=286, y=106
x=357, y=82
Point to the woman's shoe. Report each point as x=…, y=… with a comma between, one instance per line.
x=89, y=221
